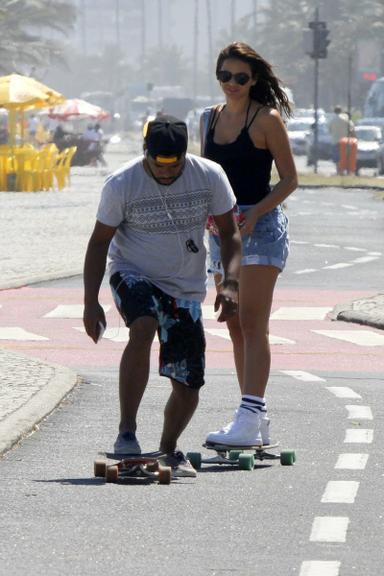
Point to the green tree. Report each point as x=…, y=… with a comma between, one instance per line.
x=30, y=32
x=278, y=36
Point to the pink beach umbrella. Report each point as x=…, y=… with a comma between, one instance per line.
x=77, y=107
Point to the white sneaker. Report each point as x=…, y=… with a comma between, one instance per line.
x=264, y=427
x=244, y=430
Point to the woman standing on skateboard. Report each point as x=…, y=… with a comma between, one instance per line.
x=245, y=135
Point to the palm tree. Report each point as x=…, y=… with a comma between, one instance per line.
x=23, y=24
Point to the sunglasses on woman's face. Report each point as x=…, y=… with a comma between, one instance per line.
x=240, y=77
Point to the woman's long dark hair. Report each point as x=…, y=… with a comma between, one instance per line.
x=267, y=90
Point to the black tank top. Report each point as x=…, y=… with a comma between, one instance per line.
x=248, y=168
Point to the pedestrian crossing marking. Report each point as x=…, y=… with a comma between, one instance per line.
x=301, y=313
x=304, y=376
x=208, y=312
x=224, y=333
x=113, y=333
x=70, y=311
x=359, y=337
x=17, y=333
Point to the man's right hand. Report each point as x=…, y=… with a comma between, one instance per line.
x=94, y=319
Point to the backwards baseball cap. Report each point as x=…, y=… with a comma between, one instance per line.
x=166, y=138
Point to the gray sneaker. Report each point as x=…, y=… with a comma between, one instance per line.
x=126, y=443
x=181, y=466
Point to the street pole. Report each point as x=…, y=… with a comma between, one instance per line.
x=210, y=48
x=316, y=101
x=349, y=94
x=195, y=50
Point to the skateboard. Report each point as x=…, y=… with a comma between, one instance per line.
x=131, y=465
x=242, y=456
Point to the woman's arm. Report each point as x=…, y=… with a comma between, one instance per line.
x=270, y=133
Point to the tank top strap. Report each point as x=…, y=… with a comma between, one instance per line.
x=215, y=116
x=253, y=117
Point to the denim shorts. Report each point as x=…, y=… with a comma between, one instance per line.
x=180, y=329
x=268, y=245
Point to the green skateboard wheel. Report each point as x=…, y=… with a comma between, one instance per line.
x=234, y=454
x=195, y=459
x=287, y=457
x=246, y=461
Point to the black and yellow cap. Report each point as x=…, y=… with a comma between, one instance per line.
x=166, y=139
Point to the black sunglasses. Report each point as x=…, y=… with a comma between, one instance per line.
x=240, y=77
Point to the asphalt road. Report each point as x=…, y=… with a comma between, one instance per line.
x=318, y=517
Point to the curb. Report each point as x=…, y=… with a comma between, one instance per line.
x=22, y=281
x=25, y=419
x=365, y=311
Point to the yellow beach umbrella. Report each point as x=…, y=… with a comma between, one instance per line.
x=20, y=93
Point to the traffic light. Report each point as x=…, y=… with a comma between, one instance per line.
x=316, y=39
x=321, y=42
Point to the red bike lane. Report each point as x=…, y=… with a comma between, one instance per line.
x=45, y=323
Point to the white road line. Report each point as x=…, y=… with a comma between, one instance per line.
x=364, y=259
x=70, y=311
x=359, y=337
x=361, y=436
x=114, y=333
x=343, y=392
x=17, y=333
x=359, y=412
x=301, y=313
x=329, y=529
x=326, y=245
x=224, y=333
x=375, y=253
x=349, y=207
x=353, y=249
x=306, y=271
x=340, y=492
x=303, y=242
x=304, y=376
x=338, y=266
x=320, y=568
x=351, y=461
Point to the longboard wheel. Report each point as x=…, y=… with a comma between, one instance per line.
x=246, y=461
x=287, y=457
x=234, y=454
x=112, y=474
x=100, y=467
x=195, y=459
x=165, y=474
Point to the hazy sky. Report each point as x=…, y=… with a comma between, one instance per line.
x=98, y=26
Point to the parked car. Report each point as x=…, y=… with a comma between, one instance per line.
x=324, y=144
x=368, y=144
x=298, y=130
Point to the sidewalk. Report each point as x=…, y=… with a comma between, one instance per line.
x=46, y=236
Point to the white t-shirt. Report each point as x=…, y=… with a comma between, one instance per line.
x=154, y=223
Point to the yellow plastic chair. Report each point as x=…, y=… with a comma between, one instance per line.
x=8, y=169
x=63, y=167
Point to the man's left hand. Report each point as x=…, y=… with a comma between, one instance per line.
x=227, y=300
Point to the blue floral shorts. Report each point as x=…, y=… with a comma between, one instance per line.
x=180, y=329
x=268, y=245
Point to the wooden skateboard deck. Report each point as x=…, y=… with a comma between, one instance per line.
x=132, y=465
